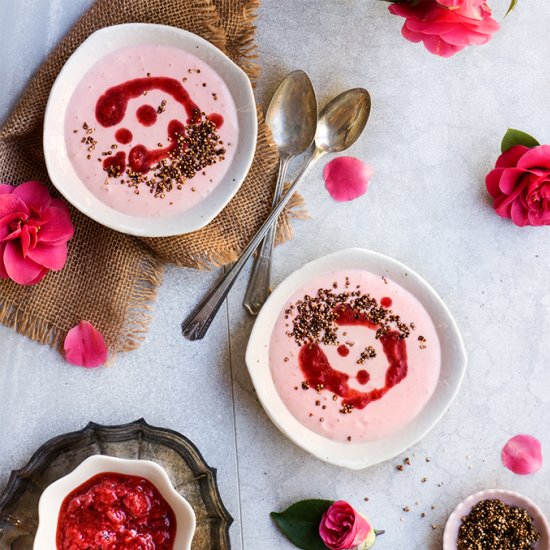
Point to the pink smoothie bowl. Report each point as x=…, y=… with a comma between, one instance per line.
x=62, y=172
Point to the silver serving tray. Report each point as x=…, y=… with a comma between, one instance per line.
x=183, y=462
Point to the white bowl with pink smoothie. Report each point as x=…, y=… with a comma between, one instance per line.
x=149, y=129
x=355, y=358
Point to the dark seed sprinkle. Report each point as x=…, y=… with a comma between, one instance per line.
x=315, y=318
x=346, y=409
x=492, y=524
x=368, y=353
x=193, y=151
x=161, y=107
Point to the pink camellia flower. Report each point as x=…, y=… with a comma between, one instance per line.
x=520, y=185
x=85, y=346
x=460, y=3
x=34, y=230
x=342, y=528
x=446, y=26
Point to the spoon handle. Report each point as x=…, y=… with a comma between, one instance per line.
x=197, y=324
x=259, y=284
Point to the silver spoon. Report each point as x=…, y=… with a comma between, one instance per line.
x=292, y=118
x=340, y=124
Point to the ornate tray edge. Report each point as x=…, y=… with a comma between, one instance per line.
x=170, y=438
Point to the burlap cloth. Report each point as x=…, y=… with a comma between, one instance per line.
x=110, y=278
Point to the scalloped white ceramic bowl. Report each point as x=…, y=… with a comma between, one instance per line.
x=53, y=496
x=357, y=455
x=60, y=168
x=508, y=497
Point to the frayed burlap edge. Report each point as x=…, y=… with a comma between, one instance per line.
x=137, y=319
x=138, y=313
x=246, y=46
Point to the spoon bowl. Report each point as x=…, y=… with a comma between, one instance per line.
x=292, y=114
x=343, y=120
x=292, y=118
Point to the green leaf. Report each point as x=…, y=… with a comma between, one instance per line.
x=517, y=137
x=512, y=7
x=300, y=523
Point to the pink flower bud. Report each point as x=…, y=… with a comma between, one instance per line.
x=342, y=528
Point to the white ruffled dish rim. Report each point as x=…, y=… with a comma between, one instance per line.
x=357, y=455
x=53, y=496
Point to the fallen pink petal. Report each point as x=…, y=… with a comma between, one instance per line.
x=85, y=346
x=347, y=178
x=522, y=455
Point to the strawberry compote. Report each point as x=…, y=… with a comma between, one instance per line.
x=114, y=511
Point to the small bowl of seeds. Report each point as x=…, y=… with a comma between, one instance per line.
x=497, y=519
